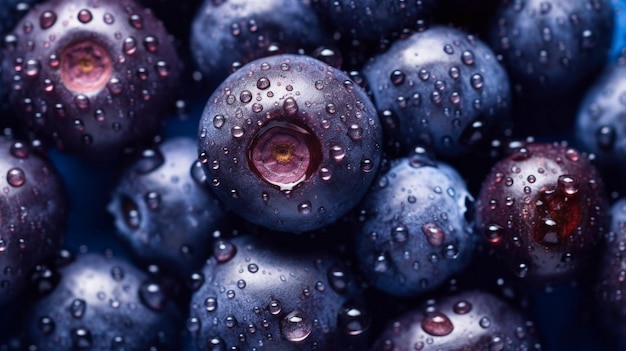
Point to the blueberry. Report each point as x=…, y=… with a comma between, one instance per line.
x=543, y=209
x=372, y=20
x=263, y=294
x=442, y=88
x=414, y=233
x=33, y=214
x=467, y=320
x=91, y=80
x=226, y=34
x=163, y=210
x=600, y=128
x=289, y=143
x=610, y=283
x=551, y=47
x=97, y=302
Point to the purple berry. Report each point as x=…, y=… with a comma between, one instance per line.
x=290, y=143
x=543, y=209
x=33, y=214
x=91, y=80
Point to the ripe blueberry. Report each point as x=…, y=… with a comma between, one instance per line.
x=289, y=143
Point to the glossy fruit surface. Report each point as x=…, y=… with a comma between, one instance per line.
x=468, y=320
x=97, y=302
x=414, y=232
x=441, y=88
x=257, y=296
x=290, y=142
x=163, y=210
x=543, y=209
x=91, y=78
x=33, y=214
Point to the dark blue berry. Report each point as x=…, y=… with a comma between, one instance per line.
x=98, y=302
x=163, y=210
x=600, y=127
x=260, y=294
x=91, y=80
x=372, y=20
x=33, y=214
x=610, y=280
x=290, y=143
x=227, y=34
x=414, y=232
x=551, y=47
x=442, y=88
x=468, y=320
x=543, y=209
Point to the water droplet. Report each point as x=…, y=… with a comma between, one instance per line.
x=47, y=19
x=462, y=307
x=224, y=251
x=568, y=185
x=477, y=81
x=108, y=18
x=367, y=165
x=218, y=121
x=46, y=325
x=484, y=322
x=129, y=47
x=81, y=338
x=337, y=153
x=494, y=232
x=77, y=308
x=136, y=21
x=305, y=208
x=353, y=319
x=16, y=177
x=274, y=307
x=355, y=132
x=338, y=278
x=253, y=268
x=152, y=296
x=210, y=304
x=245, y=96
x=397, y=77
x=290, y=106
x=434, y=233
x=467, y=57
x=437, y=324
x=115, y=86
x=85, y=16
x=237, y=131
x=296, y=326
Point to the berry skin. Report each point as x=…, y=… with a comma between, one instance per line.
x=469, y=320
x=33, y=214
x=414, y=234
x=611, y=286
x=371, y=20
x=290, y=143
x=552, y=47
x=91, y=80
x=227, y=34
x=282, y=295
x=543, y=209
x=96, y=302
x=163, y=210
x=600, y=127
x=441, y=88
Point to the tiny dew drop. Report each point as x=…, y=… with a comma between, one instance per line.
x=152, y=296
x=437, y=324
x=296, y=326
x=305, y=207
x=85, y=16
x=16, y=177
x=353, y=319
x=224, y=251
